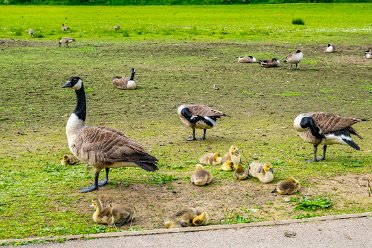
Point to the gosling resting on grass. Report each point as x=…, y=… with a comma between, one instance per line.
x=240, y=173
x=201, y=219
x=262, y=171
x=294, y=58
x=287, y=187
x=69, y=160
x=112, y=215
x=198, y=116
x=233, y=155
x=101, y=147
x=326, y=129
x=201, y=176
x=125, y=83
x=182, y=218
x=227, y=166
x=211, y=159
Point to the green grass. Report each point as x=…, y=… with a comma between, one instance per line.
x=200, y=23
x=313, y=203
x=40, y=197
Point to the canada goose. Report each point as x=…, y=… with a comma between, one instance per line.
x=326, y=129
x=101, y=147
x=69, y=160
x=64, y=27
x=198, y=116
x=201, y=176
x=240, y=172
x=201, y=220
x=287, y=187
x=368, y=54
x=227, y=165
x=269, y=63
x=211, y=159
x=294, y=58
x=125, y=83
x=330, y=49
x=66, y=41
x=262, y=171
x=117, y=27
x=182, y=218
x=112, y=215
x=31, y=32
x=247, y=59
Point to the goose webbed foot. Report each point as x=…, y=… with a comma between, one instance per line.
x=102, y=183
x=89, y=188
x=315, y=159
x=191, y=138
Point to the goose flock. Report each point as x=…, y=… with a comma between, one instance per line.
x=105, y=148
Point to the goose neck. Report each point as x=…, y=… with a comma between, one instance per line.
x=80, y=109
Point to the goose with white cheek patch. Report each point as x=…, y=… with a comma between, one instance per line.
x=330, y=49
x=125, y=83
x=101, y=147
x=198, y=117
x=326, y=129
x=368, y=54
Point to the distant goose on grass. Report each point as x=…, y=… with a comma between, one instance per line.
x=368, y=54
x=125, y=83
x=31, y=32
x=269, y=63
x=64, y=27
x=101, y=147
x=117, y=27
x=198, y=116
x=326, y=129
x=247, y=59
x=294, y=58
x=330, y=49
x=65, y=41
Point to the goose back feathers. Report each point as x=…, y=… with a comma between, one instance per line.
x=247, y=59
x=269, y=63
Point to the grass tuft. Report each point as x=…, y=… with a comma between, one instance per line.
x=313, y=204
x=298, y=21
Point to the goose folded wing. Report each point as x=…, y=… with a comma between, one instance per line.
x=203, y=110
x=328, y=122
x=108, y=146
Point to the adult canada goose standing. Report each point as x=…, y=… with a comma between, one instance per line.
x=125, y=83
x=198, y=117
x=294, y=58
x=66, y=41
x=64, y=27
x=330, y=49
x=101, y=147
x=247, y=59
x=269, y=63
x=327, y=129
x=368, y=54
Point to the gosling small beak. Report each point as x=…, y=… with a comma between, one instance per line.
x=67, y=85
x=271, y=170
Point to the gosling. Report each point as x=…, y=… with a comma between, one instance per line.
x=182, y=218
x=201, y=220
x=264, y=172
x=287, y=187
x=227, y=166
x=211, y=159
x=69, y=160
x=240, y=173
x=201, y=176
x=112, y=215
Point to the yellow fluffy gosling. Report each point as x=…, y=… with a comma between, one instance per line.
x=262, y=171
x=287, y=187
x=211, y=159
x=240, y=173
x=201, y=176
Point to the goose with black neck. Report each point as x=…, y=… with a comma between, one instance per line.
x=101, y=147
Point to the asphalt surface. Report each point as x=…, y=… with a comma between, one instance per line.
x=338, y=233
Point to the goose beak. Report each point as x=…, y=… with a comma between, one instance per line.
x=271, y=170
x=67, y=85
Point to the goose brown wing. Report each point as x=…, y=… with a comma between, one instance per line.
x=328, y=122
x=203, y=110
x=103, y=145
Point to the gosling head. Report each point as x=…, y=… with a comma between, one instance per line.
x=234, y=151
x=216, y=156
x=267, y=167
x=75, y=83
x=293, y=180
x=199, y=167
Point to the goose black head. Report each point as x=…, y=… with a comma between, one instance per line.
x=75, y=83
x=366, y=52
x=274, y=59
x=301, y=122
x=298, y=51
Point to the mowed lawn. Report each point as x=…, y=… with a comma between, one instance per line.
x=180, y=53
